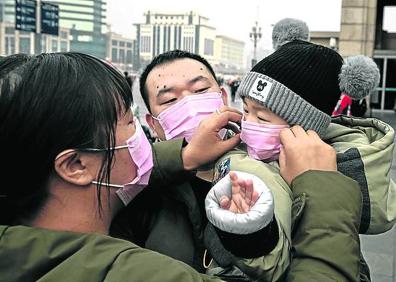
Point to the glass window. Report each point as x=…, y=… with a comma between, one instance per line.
x=44, y=43
x=208, y=47
x=76, y=16
x=84, y=38
x=24, y=45
x=10, y=45
x=54, y=43
x=114, y=55
x=63, y=46
x=122, y=56
x=9, y=30
x=63, y=34
x=129, y=57
x=389, y=14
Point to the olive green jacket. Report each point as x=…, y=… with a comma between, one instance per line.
x=326, y=245
x=35, y=254
x=364, y=152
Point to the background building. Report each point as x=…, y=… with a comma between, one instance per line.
x=363, y=32
x=326, y=38
x=119, y=51
x=16, y=41
x=7, y=11
x=86, y=20
x=190, y=32
x=228, y=55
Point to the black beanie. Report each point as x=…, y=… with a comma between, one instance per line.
x=301, y=82
x=308, y=69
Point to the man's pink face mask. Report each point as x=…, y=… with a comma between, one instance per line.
x=181, y=119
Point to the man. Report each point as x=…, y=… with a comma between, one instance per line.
x=174, y=221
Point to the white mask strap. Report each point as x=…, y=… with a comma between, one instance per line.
x=157, y=119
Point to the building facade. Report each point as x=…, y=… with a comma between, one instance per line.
x=14, y=41
x=86, y=20
x=163, y=32
x=363, y=31
x=228, y=54
x=119, y=51
x=329, y=39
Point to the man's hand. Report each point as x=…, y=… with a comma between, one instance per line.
x=206, y=145
x=243, y=195
x=303, y=151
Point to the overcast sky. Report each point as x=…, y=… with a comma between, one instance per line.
x=235, y=18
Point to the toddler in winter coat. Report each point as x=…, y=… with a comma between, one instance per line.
x=299, y=84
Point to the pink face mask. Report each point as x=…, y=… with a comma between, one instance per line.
x=141, y=153
x=181, y=119
x=262, y=140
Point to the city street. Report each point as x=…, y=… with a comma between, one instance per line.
x=378, y=250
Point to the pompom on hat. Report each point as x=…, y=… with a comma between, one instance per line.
x=301, y=82
x=289, y=29
x=359, y=76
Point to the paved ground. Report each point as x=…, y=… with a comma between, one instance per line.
x=379, y=250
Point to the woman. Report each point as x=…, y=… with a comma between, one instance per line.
x=67, y=127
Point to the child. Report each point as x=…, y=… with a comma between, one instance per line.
x=299, y=84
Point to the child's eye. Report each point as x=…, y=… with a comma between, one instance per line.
x=245, y=111
x=262, y=119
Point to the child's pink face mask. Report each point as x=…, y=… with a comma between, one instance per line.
x=181, y=119
x=262, y=140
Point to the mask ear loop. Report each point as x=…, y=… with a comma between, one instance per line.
x=65, y=152
x=157, y=119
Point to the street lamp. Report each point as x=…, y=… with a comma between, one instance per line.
x=255, y=36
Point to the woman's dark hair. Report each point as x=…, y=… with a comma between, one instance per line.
x=165, y=58
x=50, y=103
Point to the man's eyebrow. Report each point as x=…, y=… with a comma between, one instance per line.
x=164, y=90
x=198, y=78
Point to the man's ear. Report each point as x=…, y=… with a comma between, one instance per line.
x=224, y=96
x=150, y=121
x=71, y=166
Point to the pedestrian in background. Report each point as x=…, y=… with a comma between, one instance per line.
x=128, y=79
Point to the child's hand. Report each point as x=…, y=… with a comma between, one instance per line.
x=243, y=195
